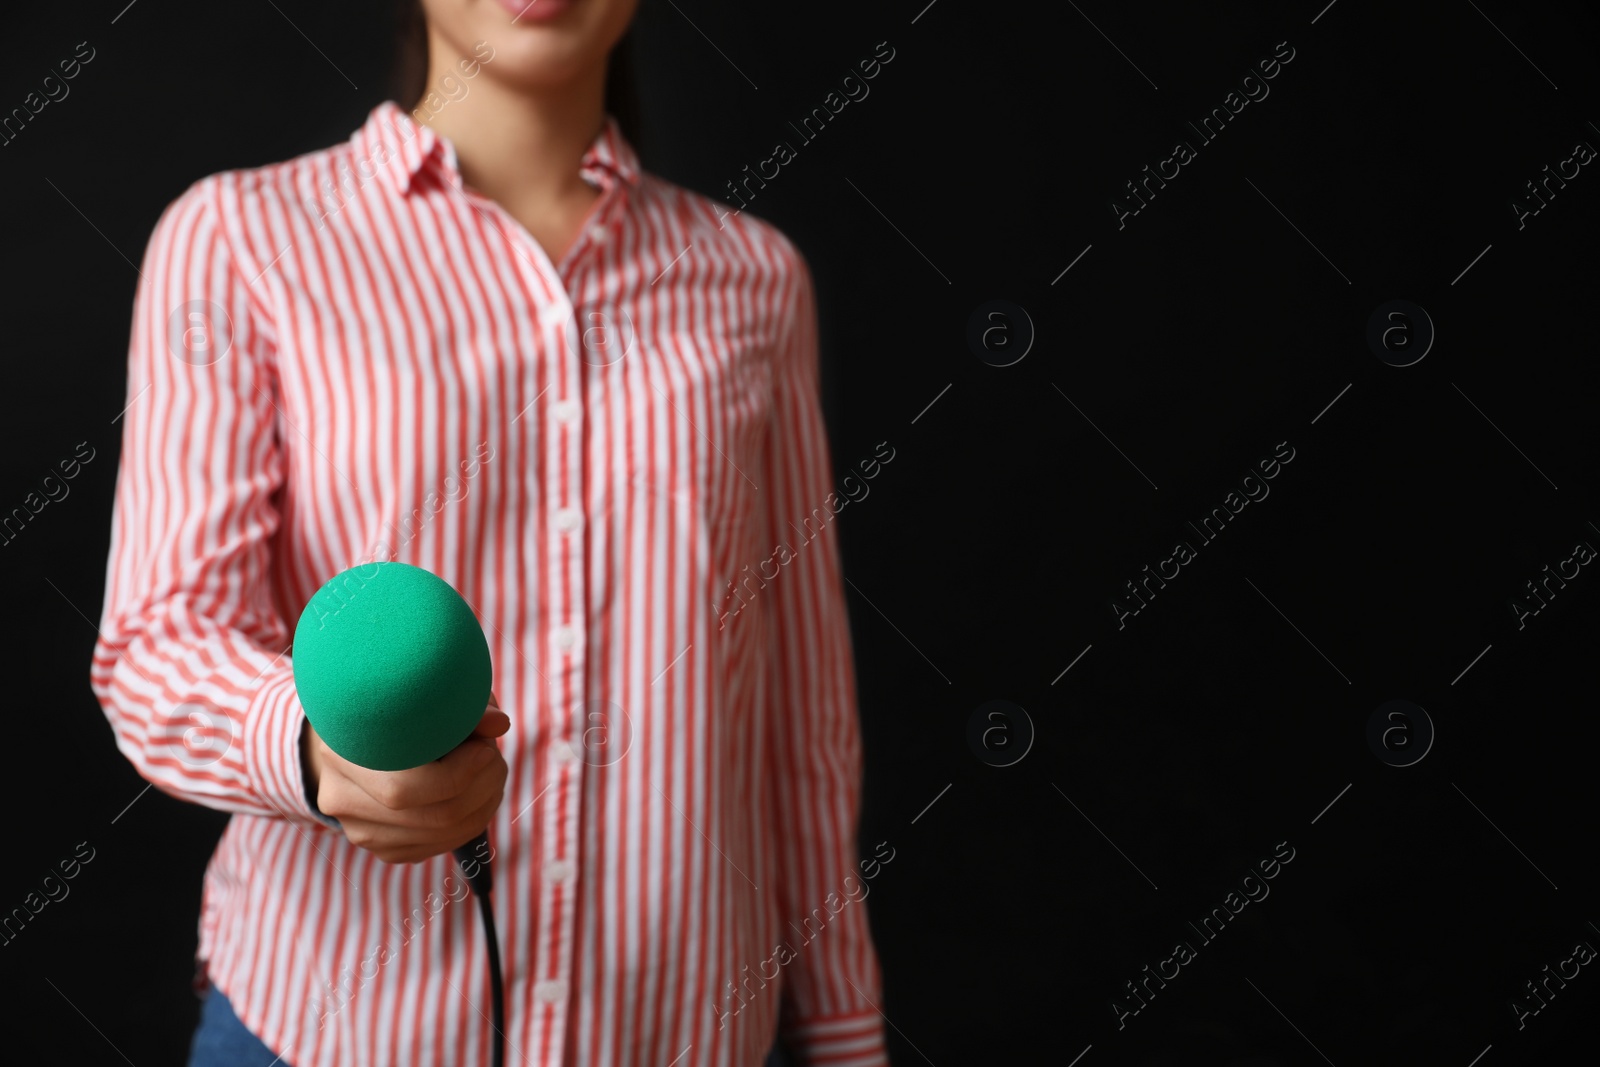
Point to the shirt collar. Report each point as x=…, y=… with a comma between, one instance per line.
x=400, y=148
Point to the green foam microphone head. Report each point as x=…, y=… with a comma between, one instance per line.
x=391, y=666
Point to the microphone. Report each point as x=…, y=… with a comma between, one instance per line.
x=393, y=672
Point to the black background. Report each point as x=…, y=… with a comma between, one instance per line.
x=1222, y=319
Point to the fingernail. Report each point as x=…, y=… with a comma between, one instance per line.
x=484, y=754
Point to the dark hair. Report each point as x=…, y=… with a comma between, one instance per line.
x=410, y=71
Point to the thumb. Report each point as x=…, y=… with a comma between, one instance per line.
x=494, y=722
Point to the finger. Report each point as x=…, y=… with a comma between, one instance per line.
x=444, y=778
x=479, y=820
x=445, y=814
x=392, y=844
x=347, y=801
x=493, y=724
x=401, y=844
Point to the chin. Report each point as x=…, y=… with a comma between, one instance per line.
x=532, y=62
x=535, y=46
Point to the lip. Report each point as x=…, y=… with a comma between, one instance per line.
x=522, y=11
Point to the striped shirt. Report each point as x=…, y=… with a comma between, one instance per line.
x=354, y=356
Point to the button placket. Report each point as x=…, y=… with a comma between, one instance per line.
x=558, y=501
x=559, y=494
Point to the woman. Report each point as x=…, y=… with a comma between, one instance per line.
x=477, y=338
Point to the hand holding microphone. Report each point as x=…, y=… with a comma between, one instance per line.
x=393, y=672
x=411, y=815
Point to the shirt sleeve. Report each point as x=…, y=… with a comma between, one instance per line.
x=191, y=665
x=832, y=986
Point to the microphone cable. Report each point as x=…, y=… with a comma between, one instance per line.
x=476, y=872
x=497, y=990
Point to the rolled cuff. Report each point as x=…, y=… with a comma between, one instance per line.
x=854, y=1040
x=272, y=728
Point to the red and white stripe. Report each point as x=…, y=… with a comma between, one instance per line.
x=406, y=375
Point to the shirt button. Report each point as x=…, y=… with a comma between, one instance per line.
x=597, y=232
x=568, y=519
x=561, y=752
x=555, y=315
x=565, y=410
x=558, y=871
x=563, y=637
x=550, y=990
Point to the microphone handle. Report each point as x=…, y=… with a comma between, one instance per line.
x=472, y=859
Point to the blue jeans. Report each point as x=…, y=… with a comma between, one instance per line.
x=221, y=1040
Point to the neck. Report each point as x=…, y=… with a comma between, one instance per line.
x=516, y=144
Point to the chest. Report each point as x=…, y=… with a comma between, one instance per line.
x=449, y=359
